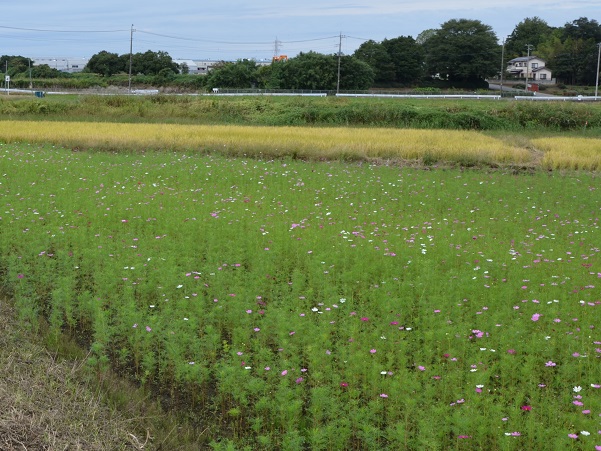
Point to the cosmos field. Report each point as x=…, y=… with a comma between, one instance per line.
x=283, y=304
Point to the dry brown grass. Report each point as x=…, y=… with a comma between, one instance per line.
x=43, y=403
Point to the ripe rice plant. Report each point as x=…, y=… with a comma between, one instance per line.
x=286, y=304
x=305, y=143
x=570, y=153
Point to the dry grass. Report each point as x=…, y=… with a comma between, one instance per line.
x=43, y=403
x=570, y=153
x=307, y=143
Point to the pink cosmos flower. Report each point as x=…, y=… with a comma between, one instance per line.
x=527, y=408
x=536, y=316
x=383, y=395
x=550, y=363
x=574, y=436
x=373, y=351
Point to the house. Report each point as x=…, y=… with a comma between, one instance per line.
x=535, y=66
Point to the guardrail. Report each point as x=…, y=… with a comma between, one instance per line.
x=425, y=96
x=316, y=94
x=562, y=98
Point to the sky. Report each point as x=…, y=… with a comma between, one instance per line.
x=235, y=29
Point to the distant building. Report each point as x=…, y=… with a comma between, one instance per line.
x=74, y=64
x=533, y=67
x=71, y=64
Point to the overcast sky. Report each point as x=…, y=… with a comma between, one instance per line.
x=232, y=29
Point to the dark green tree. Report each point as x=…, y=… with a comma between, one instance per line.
x=533, y=31
x=463, y=51
x=316, y=71
x=407, y=57
x=375, y=54
x=574, y=52
x=241, y=74
x=45, y=71
x=16, y=65
x=355, y=75
x=150, y=63
x=105, y=63
x=311, y=71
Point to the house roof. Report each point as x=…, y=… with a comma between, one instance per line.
x=521, y=59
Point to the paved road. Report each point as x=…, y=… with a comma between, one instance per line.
x=496, y=87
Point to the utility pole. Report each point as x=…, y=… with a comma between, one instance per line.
x=527, y=64
x=502, y=65
x=598, y=60
x=339, y=55
x=131, y=47
x=30, y=79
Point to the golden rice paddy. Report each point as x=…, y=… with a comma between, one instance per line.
x=462, y=147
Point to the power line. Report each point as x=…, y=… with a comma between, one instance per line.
x=61, y=31
x=232, y=42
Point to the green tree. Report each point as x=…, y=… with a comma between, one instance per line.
x=375, y=54
x=241, y=74
x=316, y=71
x=105, y=63
x=311, y=71
x=463, y=50
x=574, y=52
x=355, y=74
x=45, y=71
x=150, y=63
x=407, y=57
x=16, y=65
x=533, y=31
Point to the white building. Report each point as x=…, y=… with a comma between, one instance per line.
x=65, y=64
x=533, y=67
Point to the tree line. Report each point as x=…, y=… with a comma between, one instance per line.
x=461, y=53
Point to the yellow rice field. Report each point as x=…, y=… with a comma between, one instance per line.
x=310, y=143
x=570, y=153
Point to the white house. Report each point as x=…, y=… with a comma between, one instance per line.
x=535, y=67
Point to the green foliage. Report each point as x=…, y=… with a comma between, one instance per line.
x=282, y=304
x=106, y=64
x=330, y=111
x=531, y=31
x=15, y=64
x=316, y=71
x=151, y=63
x=241, y=74
x=407, y=58
x=462, y=50
x=376, y=55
